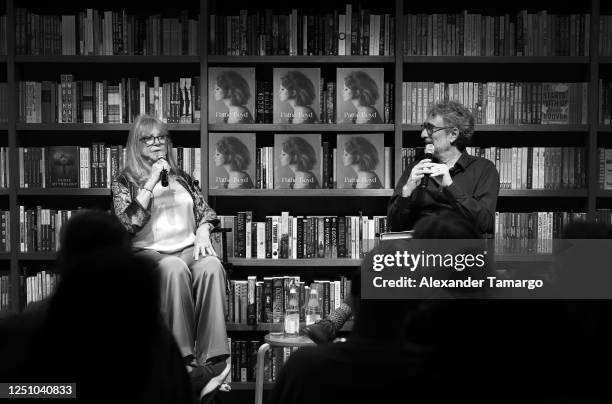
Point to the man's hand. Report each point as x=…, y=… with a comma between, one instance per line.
x=416, y=175
x=439, y=172
x=202, y=244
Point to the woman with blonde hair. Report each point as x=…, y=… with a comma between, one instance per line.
x=171, y=225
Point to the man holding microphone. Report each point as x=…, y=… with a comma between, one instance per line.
x=447, y=179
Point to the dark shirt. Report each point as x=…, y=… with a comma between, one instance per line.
x=473, y=194
x=358, y=371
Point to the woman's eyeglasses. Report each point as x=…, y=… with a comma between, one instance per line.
x=431, y=128
x=150, y=140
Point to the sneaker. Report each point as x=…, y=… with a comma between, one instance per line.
x=321, y=332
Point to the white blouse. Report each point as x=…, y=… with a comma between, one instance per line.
x=171, y=227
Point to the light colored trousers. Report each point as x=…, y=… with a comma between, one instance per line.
x=193, y=300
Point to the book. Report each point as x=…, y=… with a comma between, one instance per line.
x=360, y=95
x=361, y=161
x=231, y=160
x=297, y=95
x=555, y=103
x=231, y=95
x=62, y=166
x=297, y=161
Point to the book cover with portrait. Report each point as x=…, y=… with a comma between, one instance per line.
x=297, y=161
x=231, y=160
x=296, y=95
x=360, y=95
x=360, y=162
x=231, y=95
x=63, y=164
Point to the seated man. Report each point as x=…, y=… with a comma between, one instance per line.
x=375, y=358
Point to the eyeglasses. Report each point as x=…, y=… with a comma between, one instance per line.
x=150, y=140
x=431, y=128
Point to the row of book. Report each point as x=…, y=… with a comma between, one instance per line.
x=605, y=102
x=5, y=231
x=465, y=34
x=87, y=101
x=4, y=167
x=87, y=167
x=3, y=102
x=296, y=237
x=39, y=229
x=254, y=302
x=5, y=291
x=604, y=157
x=38, y=286
x=106, y=33
x=299, y=161
x=531, y=232
x=357, y=31
x=3, y=48
x=328, y=113
x=527, y=167
x=502, y=103
x=244, y=360
x=605, y=35
x=299, y=95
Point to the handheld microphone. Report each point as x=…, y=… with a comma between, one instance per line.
x=164, y=175
x=429, y=152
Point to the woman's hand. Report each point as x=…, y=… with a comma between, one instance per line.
x=202, y=244
x=156, y=170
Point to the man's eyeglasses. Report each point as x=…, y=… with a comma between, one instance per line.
x=150, y=140
x=431, y=128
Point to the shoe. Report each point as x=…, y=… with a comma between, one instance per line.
x=217, y=382
x=321, y=332
x=206, y=378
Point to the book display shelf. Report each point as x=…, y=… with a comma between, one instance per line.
x=504, y=64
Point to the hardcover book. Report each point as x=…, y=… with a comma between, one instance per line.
x=555, y=103
x=231, y=160
x=297, y=95
x=231, y=95
x=297, y=161
x=361, y=161
x=62, y=166
x=360, y=95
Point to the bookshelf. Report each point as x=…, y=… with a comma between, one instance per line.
x=398, y=68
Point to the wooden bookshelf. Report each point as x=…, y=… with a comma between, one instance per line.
x=3, y=127
x=604, y=193
x=97, y=127
x=250, y=385
x=5, y=255
x=323, y=127
x=543, y=193
x=604, y=128
x=301, y=192
x=179, y=59
x=4, y=191
x=267, y=327
x=37, y=256
x=514, y=128
x=275, y=60
x=65, y=191
x=563, y=60
x=311, y=263
x=605, y=60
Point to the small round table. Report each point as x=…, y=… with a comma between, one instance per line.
x=274, y=341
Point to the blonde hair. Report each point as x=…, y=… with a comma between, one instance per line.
x=136, y=168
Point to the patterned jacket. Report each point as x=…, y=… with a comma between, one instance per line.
x=134, y=216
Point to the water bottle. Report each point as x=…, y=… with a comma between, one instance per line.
x=292, y=313
x=313, y=310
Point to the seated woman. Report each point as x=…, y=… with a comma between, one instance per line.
x=171, y=225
